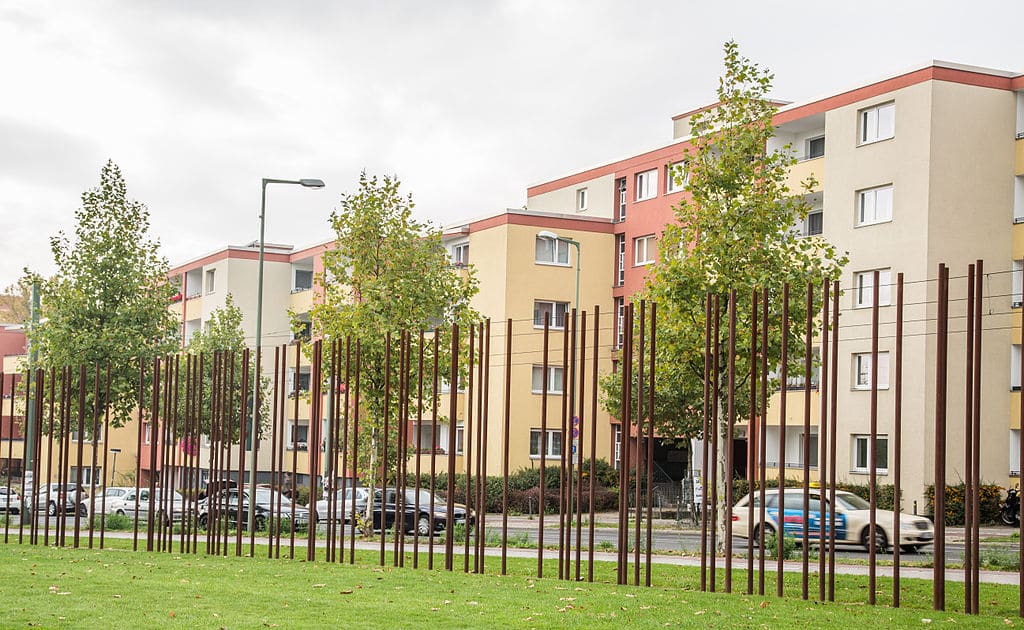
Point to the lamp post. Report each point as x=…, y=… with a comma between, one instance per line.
x=554, y=237
x=307, y=183
x=113, y=468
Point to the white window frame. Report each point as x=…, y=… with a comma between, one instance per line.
x=642, y=250
x=617, y=446
x=805, y=228
x=551, y=451
x=620, y=276
x=78, y=431
x=557, y=247
x=863, y=290
x=90, y=472
x=1015, y=367
x=869, y=212
x=460, y=438
x=292, y=444
x=620, y=321
x=1015, y=453
x=581, y=200
x=460, y=254
x=556, y=380
x=860, y=445
x=621, y=213
x=210, y=280
x=295, y=280
x=1017, y=284
x=862, y=370
x=671, y=172
x=807, y=147
x=877, y=123
x=813, y=450
x=557, y=320
x=646, y=184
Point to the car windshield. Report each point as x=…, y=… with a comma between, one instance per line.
x=852, y=502
x=410, y=497
x=264, y=496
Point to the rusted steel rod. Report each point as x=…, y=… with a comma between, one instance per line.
x=805, y=455
x=762, y=442
x=941, y=348
x=968, y=448
x=593, y=445
x=506, y=420
x=784, y=373
x=752, y=434
x=832, y=421
x=705, y=432
x=823, y=387
x=897, y=490
x=650, y=440
x=730, y=428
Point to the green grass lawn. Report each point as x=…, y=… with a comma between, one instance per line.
x=116, y=587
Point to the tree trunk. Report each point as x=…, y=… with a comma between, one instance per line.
x=724, y=518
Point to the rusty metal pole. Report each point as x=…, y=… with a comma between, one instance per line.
x=716, y=397
x=762, y=441
x=650, y=441
x=752, y=433
x=942, y=341
x=593, y=446
x=467, y=444
x=873, y=444
x=563, y=455
x=637, y=497
x=706, y=428
x=897, y=491
x=805, y=454
x=453, y=380
x=832, y=421
x=504, y=446
x=419, y=447
x=483, y=418
x=1020, y=469
x=434, y=402
x=355, y=447
x=784, y=371
x=384, y=452
x=730, y=422
x=579, y=372
x=626, y=366
x=968, y=447
x=823, y=384
x=976, y=440
x=543, y=446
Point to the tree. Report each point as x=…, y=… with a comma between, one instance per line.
x=224, y=337
x=107, y=302
x=734, y=230
x=16, y=302
x=387, y=273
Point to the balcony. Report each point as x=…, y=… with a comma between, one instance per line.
x=1019, y=162
x=804, y=169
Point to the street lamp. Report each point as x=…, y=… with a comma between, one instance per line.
x=307, y=183
x=113, y=469
x=554, y=237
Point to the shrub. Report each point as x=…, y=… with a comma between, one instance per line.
x=999, y=559
x=991, y=497
x=114, y=522
x=771, y=545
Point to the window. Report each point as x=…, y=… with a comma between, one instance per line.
x=460, y=254
x=863, y=291
x=617, y=455
x=877, y=123
x=76, y=434
x=1015, y=367
x=147, y=433
x=553, y=443
x=620, y=276
x=813, y=224
x=812, y=443
x=862, y=453
x=551, y=251
x=862, y=370
x=302, y=330
x=298, y=436
x=1017, y=284
x=676, y=176
x=874, y=205
x=555, y=382
x=303, y=280
x=211, y=280
x=622, y=199
x=1018, y=199
x=303, y=384
x=815, y=147
x=460, y=433
x=645, y=249
x=85, y=475
x=647, y=185
x=556, y=311
x=1015, y=452
x=581, y=200
x=620, y=320
x=425, y=441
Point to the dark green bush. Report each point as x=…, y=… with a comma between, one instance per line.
x=988, y=506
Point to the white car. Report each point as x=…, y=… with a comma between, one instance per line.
x=10, y=502
x=852, y=515
x=114, y=497
x=160, y=506
x=342, y=505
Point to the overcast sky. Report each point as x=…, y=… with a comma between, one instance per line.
x=467, y=102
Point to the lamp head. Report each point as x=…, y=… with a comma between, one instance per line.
x=547, y=234
x=312, y=183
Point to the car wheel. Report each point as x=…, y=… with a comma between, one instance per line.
x=910, y=548
x=51, y=509
x=203, y=521
x=881, y=540
x=768, y=531
x=423, y=526
x=121, y=513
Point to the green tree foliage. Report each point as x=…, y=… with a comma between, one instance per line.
x=733, y=230
x=388, y=273
x=222, y=344
x=107, y=302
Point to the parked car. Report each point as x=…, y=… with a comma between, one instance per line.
x=10, y=502
x=127, y=505
x=227, y=504
x=56, y=497
x=852, y=515
x=422, y=520
x=112, y=497
x=342, y=505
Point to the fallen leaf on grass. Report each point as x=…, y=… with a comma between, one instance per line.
x=319, y=585
x=763, y=604
x=346, y=592
x=117, y=597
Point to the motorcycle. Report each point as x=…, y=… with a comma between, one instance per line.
x=1009, y=512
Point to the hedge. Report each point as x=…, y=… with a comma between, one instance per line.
x=988, y=507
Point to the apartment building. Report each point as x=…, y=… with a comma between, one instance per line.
x=915, y=169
